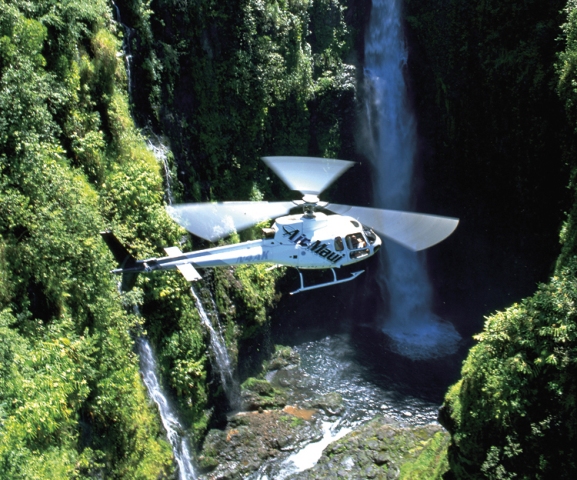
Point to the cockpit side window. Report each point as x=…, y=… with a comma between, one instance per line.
x=349, y=241
x=339, y=244
x=355, y=241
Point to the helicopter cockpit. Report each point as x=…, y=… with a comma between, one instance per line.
x=359, y=242
x=357, y=245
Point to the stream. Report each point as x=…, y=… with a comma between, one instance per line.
x=333, y=361
x=333, y=364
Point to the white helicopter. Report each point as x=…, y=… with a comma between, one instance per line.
x=310, y=239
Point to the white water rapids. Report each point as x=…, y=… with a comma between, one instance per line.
x=416, y=332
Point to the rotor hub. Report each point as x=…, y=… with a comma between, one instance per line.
x=310, y=203
x=310, y=199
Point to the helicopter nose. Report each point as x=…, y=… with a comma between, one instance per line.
x=377, y=244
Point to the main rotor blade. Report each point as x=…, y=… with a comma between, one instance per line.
x=415, y=231
x=213, y=221
x=308, y=175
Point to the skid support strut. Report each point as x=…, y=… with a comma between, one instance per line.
x=335, y=281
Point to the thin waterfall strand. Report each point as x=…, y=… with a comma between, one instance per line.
x=126, y=48
x=220, y=357
x=180, y=447
x=391, y=146
x=160, y=152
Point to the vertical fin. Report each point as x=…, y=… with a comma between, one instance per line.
x=121, y=254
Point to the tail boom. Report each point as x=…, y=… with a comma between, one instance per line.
x=129, y=267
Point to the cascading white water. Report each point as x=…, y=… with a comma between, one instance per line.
x=391, y=146
x=148, y=366
x=180, y=446
x=220, y=358
x=125, y=48
x=160, y=152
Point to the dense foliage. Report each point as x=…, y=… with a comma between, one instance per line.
x=227, y=82
x=231, y=81
x=71, y=400
x=513, y=414
x=498, y=96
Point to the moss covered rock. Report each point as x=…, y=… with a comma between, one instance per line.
x=251, y=438
x=258, y=394
x=378, y=450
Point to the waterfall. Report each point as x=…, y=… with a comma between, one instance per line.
x=160, y=151
x=414, y=329
x=148, y=365
x=126, y=49
x=220, y=359
x=155, y=145
x=180, y=447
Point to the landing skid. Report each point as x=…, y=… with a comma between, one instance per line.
x=326, y=284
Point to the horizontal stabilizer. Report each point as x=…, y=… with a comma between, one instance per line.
x=189, y=272
x=173, y=251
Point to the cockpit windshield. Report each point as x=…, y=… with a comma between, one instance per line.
x=371, y=236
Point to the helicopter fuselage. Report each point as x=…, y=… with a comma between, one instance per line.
x=310, y=240
x=303, y=241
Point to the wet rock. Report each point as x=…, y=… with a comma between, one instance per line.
x=283, y=357
x=262, y=438
x=252, y=438
x=380, y=458
x=330, y=403
x=370, y=472
x=260, y=394
x=294, y=379
x=375, y=450
x=373, y=444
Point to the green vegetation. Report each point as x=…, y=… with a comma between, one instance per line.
x=512, y=413
x=431, y=459
x=258, y=393
x=72, y=163
x=71, y=401
x=497, y=69
x=227, y=82
x=231, y=81
x=380, y=449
